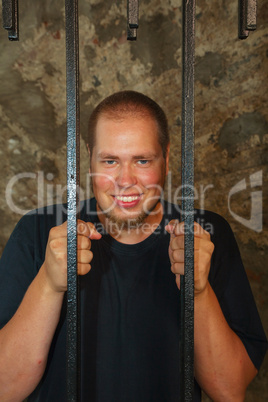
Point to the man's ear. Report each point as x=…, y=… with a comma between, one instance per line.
x=167, y=158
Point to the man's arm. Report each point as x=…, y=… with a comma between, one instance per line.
x=25, y=340
x=223, y=368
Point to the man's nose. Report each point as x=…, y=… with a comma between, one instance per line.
x=126, y=177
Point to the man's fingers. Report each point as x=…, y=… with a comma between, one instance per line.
x=83, y=242
x=84, y=256
x=87, y=229
x=177, y=255
x=178, y=280
x=83, y=269
x=177, y=268
x=170, y=228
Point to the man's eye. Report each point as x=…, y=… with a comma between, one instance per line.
x=143, y=162
x=109, y=162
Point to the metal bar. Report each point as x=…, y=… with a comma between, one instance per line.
x=187, y=172
x=132, y=19
x=251, y=15
x=10, y=14
x=73, y=135
x=133, y=13
x=7, y=6
x=242, y=19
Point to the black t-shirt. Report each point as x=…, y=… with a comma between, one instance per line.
x=130, y=308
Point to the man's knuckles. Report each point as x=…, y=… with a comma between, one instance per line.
x=58, y=244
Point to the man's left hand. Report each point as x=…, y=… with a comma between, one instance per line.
x=203, y=249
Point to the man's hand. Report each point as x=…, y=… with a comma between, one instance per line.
x=55, y=263
x=203, y=249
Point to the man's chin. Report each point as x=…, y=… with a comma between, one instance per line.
x=121, y=223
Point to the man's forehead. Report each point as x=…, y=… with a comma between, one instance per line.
x=123, y=116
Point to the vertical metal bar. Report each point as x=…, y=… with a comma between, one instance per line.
x=187, y=172
x=242, y=19
x=251, y=15
x=132, y=19
x=10, y=14
x=247, y=17
x=73, y=135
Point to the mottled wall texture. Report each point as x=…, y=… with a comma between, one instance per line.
x=231, y=111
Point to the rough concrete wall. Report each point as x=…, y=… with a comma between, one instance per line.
x=231, y=117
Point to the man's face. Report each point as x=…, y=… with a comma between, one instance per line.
x=128, y=169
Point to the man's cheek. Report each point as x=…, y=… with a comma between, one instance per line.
x=103, y=182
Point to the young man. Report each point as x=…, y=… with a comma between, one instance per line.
x=130, y=245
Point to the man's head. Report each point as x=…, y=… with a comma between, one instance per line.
x=132, y=104
x=129, y=159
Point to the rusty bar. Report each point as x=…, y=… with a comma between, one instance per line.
x=73, y=135
x=10, y=14
x=187, y=172
x=132, y=19
x=251, y=15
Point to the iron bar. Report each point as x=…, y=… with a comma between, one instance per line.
x=242, y=20
x=132, y=19
x=73, y=143
x=187, y=172
x=247, y=17
x=10, y=14
x=251, y=15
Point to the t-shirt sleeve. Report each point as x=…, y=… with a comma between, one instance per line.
x=18, y=267
x=230, y=283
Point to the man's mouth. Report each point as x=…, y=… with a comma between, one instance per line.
x=127, y=200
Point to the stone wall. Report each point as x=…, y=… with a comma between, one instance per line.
x=231, y=116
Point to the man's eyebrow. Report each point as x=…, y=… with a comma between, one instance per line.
x=103, y=155
x=149, y=155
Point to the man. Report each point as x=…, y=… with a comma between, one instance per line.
x=130, y=245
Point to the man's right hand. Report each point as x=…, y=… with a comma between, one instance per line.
x=55, y=264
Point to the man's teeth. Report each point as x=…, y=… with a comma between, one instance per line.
x=127, y=199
